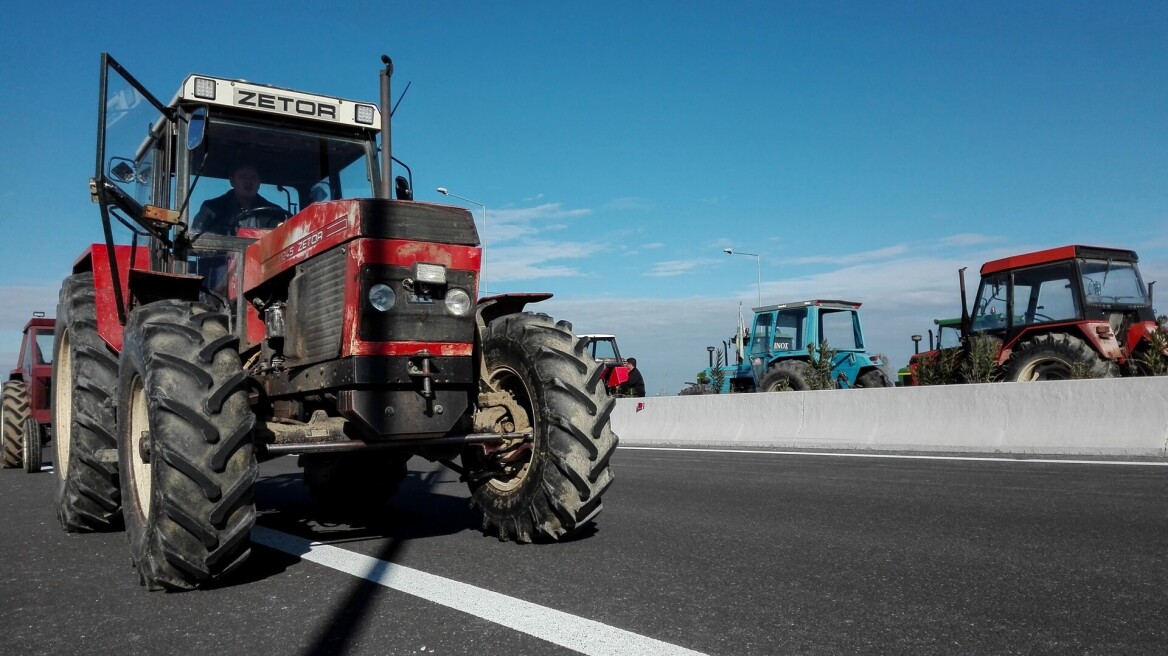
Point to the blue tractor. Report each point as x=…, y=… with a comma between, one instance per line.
x=781, y=346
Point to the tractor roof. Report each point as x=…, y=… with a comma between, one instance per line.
x=1056, y=255
x=598, y=336
x=842, y=305
x=287, y=103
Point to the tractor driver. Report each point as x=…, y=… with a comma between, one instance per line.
x=242, y=204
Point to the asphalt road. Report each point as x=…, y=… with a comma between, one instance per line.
x=717, y=553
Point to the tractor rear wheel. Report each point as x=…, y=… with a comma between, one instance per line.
x=32, y=445
x=1056, y=356
x=785, y=376
x=550, y=487
x=874, y=378
x=13, y=414
x=188, y=468
x=84, y=378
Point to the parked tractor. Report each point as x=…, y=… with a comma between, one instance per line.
x=339, y=324
x=1068, y=312
x=786, y=341
x=25, y=411
x=614, y=369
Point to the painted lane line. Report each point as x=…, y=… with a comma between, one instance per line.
x=569, y=631
x=1137, y=463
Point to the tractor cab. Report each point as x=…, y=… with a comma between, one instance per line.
x=1038, y=291
x=796, y=330
x=198, y=180
x=603, y=349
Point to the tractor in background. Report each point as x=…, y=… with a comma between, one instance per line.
x=786, y=341
x=1068, y=312
x=602, y=348
x=342, y=324
x=25, y=420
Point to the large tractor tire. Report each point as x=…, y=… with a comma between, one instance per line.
x=13, y=414
x=357, y=482
x=31, y=450
x=188, y=466
x=84, y=378
x=874, y=378
x=786, y=375
x=1056, y=356
x=551, y=487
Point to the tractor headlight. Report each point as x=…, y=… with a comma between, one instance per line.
x=458, y=302
x=381, y=297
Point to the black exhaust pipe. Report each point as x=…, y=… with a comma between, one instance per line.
x=386, y=133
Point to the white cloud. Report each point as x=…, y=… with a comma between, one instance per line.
x=677, y=267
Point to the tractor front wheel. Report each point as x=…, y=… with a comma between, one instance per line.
x=13, y=414
x=1056, y=356
x=551, y=486
x=785, y=376
x=32, y=445
x=188, y=468
x=85, y=374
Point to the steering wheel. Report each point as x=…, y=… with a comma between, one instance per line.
x=260, y=217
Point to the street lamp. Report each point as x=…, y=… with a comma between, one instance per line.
x=483, y=282
x=758, y=267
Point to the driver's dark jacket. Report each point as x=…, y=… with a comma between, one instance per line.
x=216, y=214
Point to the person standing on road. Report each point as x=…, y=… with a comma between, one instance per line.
x=635, y=385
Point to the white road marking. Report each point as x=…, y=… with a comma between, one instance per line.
x=1140, y=463
x=569, y=631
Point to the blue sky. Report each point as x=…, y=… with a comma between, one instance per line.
x=865, y=151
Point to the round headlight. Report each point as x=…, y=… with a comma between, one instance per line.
x=458, y=302
x=381, y=297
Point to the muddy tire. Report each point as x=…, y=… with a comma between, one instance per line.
x=361, y=482
x=31, y=450
x=13, y=413
x=874, y=378
x=787, y=375
x=1056, y=356
x=551, y=487
x=188, y=467
x=84, y=378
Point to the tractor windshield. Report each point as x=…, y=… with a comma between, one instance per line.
x=293, y=168
x=1107, y=282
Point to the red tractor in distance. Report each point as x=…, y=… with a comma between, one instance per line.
x=25, y=410
x=339, y=324
x=1055, y=314
x=614, y=370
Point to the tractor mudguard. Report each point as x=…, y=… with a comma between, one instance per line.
x=135, y=281
x=493, y=307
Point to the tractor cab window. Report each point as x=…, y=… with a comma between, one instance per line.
x=989, y=310
x=840, y=329
x=761, y=335
x=603, y=349
x=43, y=347
x=295, y=168
x=789, y=330
x=1108, y=282
x=1044, y=294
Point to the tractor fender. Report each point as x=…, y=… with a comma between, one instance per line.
x=136, y=282
x=1140, y=333
x=1097, y=334
x=493, y=307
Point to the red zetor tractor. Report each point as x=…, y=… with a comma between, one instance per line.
x=332, y=321
x=1072, y=311
x=25, y=411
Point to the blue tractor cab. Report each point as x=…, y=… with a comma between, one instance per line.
x=784, y=340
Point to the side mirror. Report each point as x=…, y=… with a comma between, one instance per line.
x=123, y=171
x=402, y=188
x=197, y=128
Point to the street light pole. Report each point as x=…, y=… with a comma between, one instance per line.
x=483, y=277
x=757, y=265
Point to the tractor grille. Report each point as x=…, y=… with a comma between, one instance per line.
x=316, y=306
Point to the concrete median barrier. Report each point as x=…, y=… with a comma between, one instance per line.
x=1112, y=417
